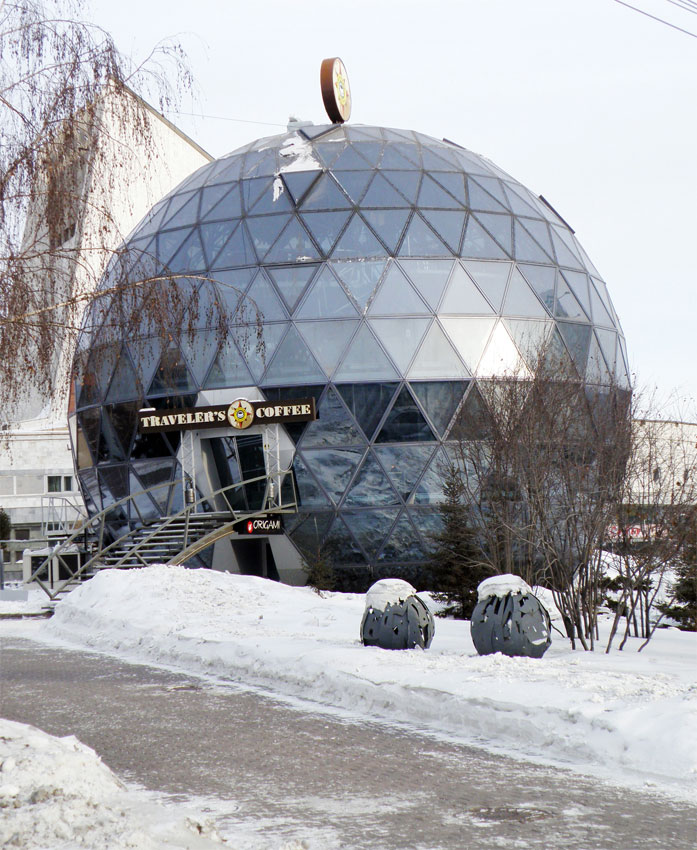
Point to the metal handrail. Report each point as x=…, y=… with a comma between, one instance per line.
x=100, y=520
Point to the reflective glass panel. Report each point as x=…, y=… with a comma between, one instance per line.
x=124, y=384
x=228, y=369
x=334, y=427
x=238, y=251
x=429, y=277
x=371, y=527
x=501, y=357
x=404, y=465
x=449, y=225
x=368, y=403
x=478, y=243
x=400, y=337
x=328, y=341
x=388, y=225
x=454, y=183
x=365, y=358
x=421, y=241
x=293, y=362
x=429, y=490
x=360, y=278
x=264, y=231
x=333, y=468
x=358, y=241
x=403, y=544
x=354, y=183
x=577, y=339
x=291, y=281
x=500, y=227
x=480, y=199
x=371, y=487
x=436, y=358
x=309, y=491
x=470, y=337
x=298, y=182
x=405, y=422
x=433, y=195
x=326, y=300
x=340, y=545
x=396, y=296
x=326, y=227
x=406, y=182
x=293, y=245
x=382, y=194
x=526, y=248
x=439, y=399
x=521, y=300
x=325, y=195
x=463, y=297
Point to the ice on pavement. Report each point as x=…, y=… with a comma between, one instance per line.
x=627, y=716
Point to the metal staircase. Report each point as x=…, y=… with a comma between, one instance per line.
x=170, y=539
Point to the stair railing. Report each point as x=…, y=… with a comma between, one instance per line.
x=271, y=503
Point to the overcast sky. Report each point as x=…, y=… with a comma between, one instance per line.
x=587, y=102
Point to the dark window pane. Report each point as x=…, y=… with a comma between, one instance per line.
x=403, y=544
x=334, y=427
x=367, y=402
x=360, y=279
x=371, y=527
x=333, y=468
x=404, y=465
x=405, y=422
x=440, y=400
x=371, y=487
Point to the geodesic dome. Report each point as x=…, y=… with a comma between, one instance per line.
x=393, y=272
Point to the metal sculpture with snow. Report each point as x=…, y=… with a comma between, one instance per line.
x=395, y=617
x=509, y=618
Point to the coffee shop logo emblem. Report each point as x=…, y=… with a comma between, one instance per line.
x=240, y=414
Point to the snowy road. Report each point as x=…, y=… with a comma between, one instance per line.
x=270, y=773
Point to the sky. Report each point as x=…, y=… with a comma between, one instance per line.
x=587, y=102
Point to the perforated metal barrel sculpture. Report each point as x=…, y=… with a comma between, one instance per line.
x=509, y=618
x=395, y=617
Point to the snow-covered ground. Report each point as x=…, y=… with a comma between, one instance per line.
x=629, y=717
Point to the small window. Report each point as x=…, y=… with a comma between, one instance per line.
x=54, y=483
x=20, y=533
x=68, y=483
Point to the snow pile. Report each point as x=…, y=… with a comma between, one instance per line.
x=17, y=608
x=627, y=716
x=57, y=793
x=388, y=591
x=502, y=586
x=298, y=154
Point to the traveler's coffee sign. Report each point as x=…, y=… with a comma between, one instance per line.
x=240, y=415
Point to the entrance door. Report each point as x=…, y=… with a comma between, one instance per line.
x=232, y=460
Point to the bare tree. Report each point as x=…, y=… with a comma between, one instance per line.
x=655, y=518
x=65, y=95
x=543, y=464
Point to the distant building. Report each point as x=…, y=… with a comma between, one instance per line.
x=124, y=171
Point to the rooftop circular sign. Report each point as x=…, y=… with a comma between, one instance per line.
x=336, y=92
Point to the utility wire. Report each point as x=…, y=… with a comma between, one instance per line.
x=660, y=20
x=686, y=7
x=225, y=118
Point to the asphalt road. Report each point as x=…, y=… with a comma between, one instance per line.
x=274, y=774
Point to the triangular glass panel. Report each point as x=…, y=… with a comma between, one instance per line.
x=436, y=358
x=124, y=385
x=293, y=245
x=429, y=277
x=480, y=199
x=516, y=202
x=600, y=313
x=577, y=339
x=440, y=400
x=478, y=243
x=145, y=353
x=260, y=162
x=448, y=224
x=358, y=241
x=326, y=300
x=359, y=131
x=405, y=422
x=400, y=337
x=539, y=230
x=333, y=427
x=433, y=195
x=187, y=214
x=293, y=363
x=308, y=535
x=405, y=182
x=403, y=544
x=348, y=160
x=462, y=297
x=371, y=527
x=170, y=241
x=368, y=403
x=325, y=195
x=124, y=421
x=328, y=151
x=212, y=195
x=228, y=168
x=421, y=241
x=493, y=186
x=474, y=421
x=608, y=344
x=232, y=285
x=333, y=468
x=556, y=360
x=578, y=281
x=396, y=296
x=542, y=279
x=404, y=465
x=531, y=339
x=199, y=350
x=470, y=337
x=365, y=357
x=310, y=493
x=521, y=300
x=298, y=182
x=228, y=369
x=360, y=278
x=622, y=364
x=354, y=183
x=567, y=305
x=388, y=225
x=370, y=151
x=253, y=189
x=291, y=281
x=564, y=255
x=315, y=131
x=569, y=240
x=400, y=136
x=325, y=227
x=500, y=227
x=262, y=298
x=371, y=486
x=429, y=491
x=382, y=194
x=596, y=370
x=501, y=357
x=409, y=151
x=295, y=430
x=341, y=547
x=328, y=341
x=213, y=236
x=275, y=199
x=393, y=158
x=526, y=249
x=454, y=183
x=264, y=231
x=177, y=203
x=227, y=207
x=172, y=375
x=238, y=250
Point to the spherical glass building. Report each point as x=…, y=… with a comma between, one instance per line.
x=392, y=273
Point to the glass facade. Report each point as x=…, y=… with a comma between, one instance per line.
x=391, y=272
